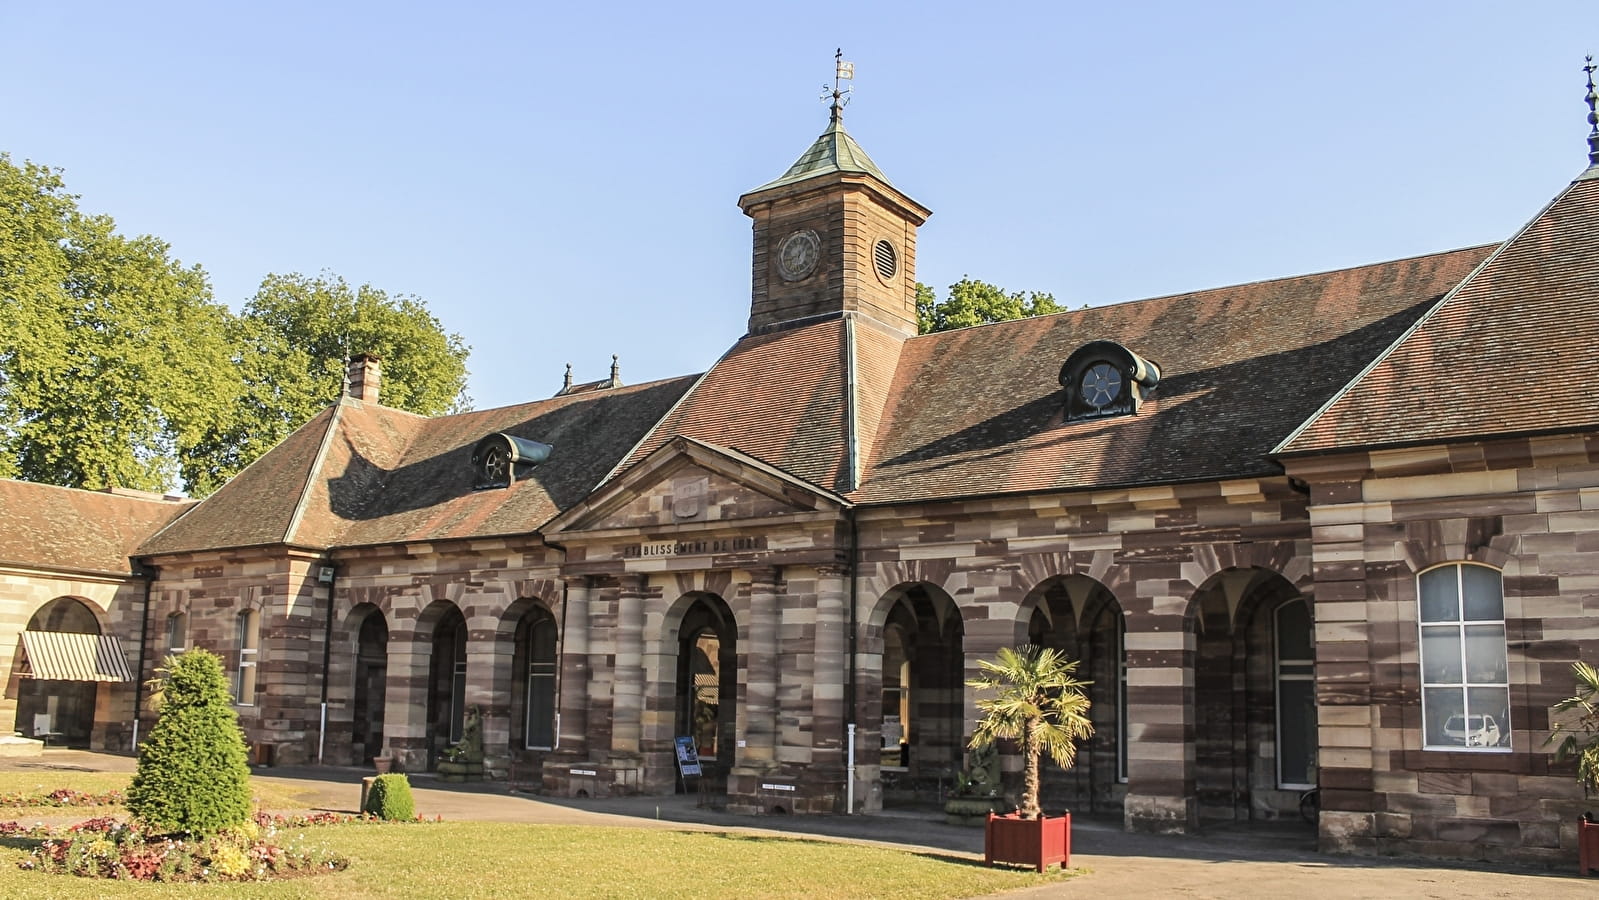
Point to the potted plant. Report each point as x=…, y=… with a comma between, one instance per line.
x=1578, y=736
x=1038, y=702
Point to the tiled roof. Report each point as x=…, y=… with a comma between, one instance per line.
x=79, y=531
x=833, y=151
x=361, y=474
x=1512, y=351
x=429, y=496
x=980, y=410
x=778, y=397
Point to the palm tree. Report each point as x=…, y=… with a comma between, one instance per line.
x=1581, y=734
x=1038, y=701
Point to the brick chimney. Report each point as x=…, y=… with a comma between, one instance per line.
x=366, y=377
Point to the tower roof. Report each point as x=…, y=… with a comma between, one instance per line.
x=833, y=151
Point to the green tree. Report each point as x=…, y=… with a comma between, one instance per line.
x=1037, y=701
x=1579, y=736
x=292, y=342
x=973, y=302
x=113, y=355
x=193, y=776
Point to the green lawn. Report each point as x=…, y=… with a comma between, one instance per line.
x=466, y=859
x=268, y=796
x=472, y=859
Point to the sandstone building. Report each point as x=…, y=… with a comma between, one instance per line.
x=1332, y=530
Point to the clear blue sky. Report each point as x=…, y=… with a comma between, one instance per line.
x=558, y=182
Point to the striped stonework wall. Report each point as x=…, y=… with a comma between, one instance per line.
x=1529, y=507
x=116, y=603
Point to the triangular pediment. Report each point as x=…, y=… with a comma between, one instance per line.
x=690, y=482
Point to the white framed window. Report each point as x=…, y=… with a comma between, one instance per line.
x=1465, y=673
x=249, y=627
x=177, y=632
x=539, y=721
x=1294, y=662
x=1121, y=699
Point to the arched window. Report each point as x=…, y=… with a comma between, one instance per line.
x=539, y=721
x=1465, y=686
x=249, y=626
x=1295, y=664
x=177, y=632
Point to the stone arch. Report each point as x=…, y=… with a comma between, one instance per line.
x=695, y=676
x=64, y=711
x=1081, y=617
x=523, y=676
x=911, y=674
x=441, y=630
x=1240, y=711
x=367, y=633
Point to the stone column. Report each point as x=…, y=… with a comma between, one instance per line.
x=758, y=719
x=405, y=724
x=830, y=667
x=573, y=705
x=627, y=701
x=1160, y=717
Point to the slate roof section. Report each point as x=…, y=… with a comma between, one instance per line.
x=361, y=474
x=980, y=410
x=779, y=397
x=92, y=532
x=1512, y=351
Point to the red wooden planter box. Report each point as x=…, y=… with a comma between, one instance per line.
x=1039, y=842
x=1587, y=846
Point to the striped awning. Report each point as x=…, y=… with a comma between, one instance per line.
x=63, y=656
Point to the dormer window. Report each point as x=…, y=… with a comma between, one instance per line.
x=1103, y=378
x=500, y=459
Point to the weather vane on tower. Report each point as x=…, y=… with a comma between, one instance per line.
x=842, y=71
x=1593, y=114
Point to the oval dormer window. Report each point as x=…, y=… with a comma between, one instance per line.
x=1103, y=378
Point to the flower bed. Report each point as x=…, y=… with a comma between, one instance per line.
x=108, y=848
x=61, y=797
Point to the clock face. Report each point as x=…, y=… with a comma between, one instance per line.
x=1101, y=385
x=797, y=255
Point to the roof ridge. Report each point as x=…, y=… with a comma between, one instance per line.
x=301, y=505
x=1422, y=320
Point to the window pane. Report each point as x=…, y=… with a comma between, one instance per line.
x=1485, y=654
x=541, y=711
x=1445, y=708
x=1492, y=705
x=1485, y=597
x=1296, y=738
x=1293, y=631
x=1440, y=599
x=247, y=685
x=1440, y=654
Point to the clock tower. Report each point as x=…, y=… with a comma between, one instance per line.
x=832, y=235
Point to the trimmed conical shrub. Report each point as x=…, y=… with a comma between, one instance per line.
x=193, y=774
x=390, y=798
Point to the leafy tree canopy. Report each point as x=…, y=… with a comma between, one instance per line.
x=113, y=356
x=119, y=369
x=973, y=302
x=292, y=343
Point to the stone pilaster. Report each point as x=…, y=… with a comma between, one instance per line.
x=575, y=667
x=757, y=721
x=628, y=690
x=1160, y=725
x=405, y=724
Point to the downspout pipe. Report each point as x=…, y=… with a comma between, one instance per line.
x=142, y=569
x=326, y=574
x=849, y=683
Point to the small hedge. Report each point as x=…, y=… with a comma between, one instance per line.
x=390, y=798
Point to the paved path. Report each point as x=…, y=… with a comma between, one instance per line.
x=1220, y=863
